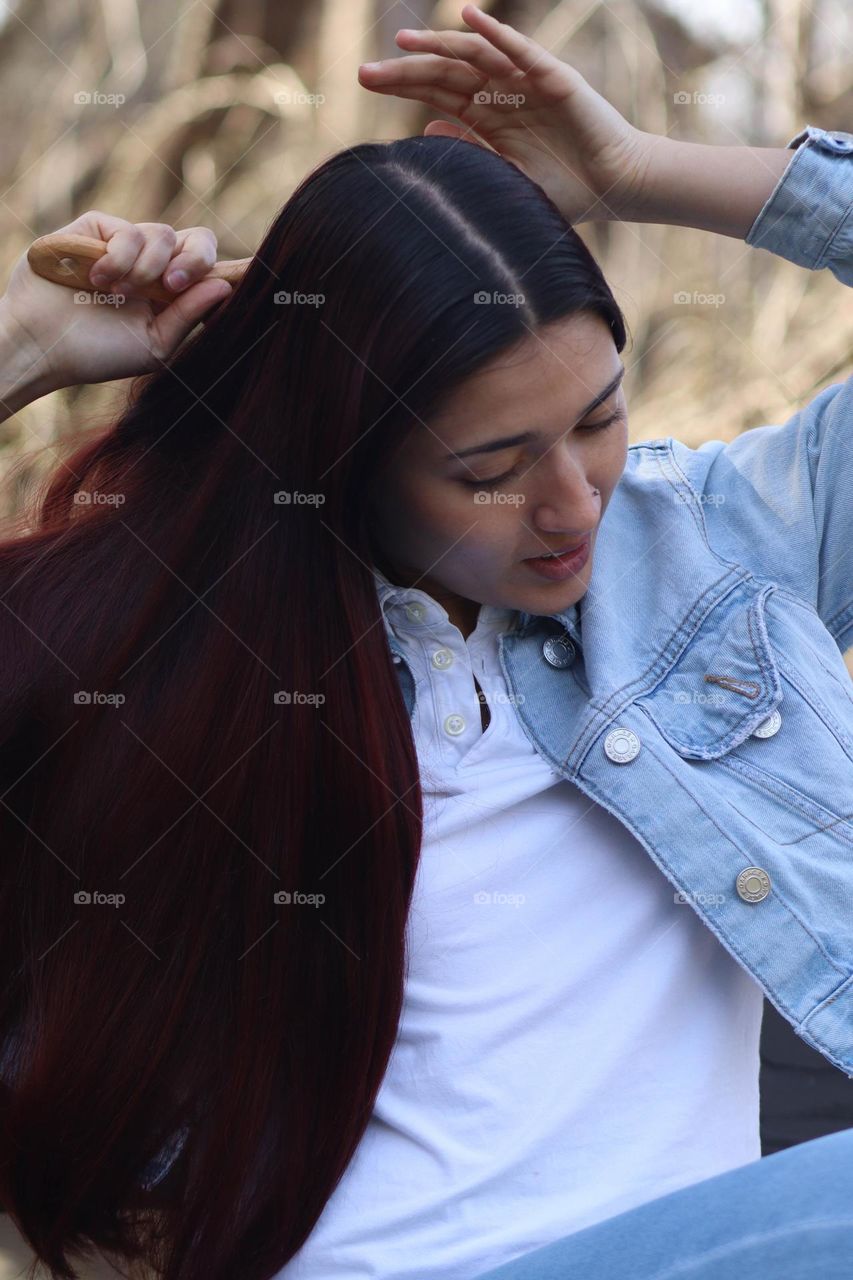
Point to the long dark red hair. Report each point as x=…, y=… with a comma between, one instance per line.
x=199, y=712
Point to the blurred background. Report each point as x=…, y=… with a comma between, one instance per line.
x=210, y=111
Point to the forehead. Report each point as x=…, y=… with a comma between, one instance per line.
x=549, y=377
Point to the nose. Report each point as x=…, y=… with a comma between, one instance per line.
x=568, y=502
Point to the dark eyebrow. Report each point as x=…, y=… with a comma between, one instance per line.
x=525, y=437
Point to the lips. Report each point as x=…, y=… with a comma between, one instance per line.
x=562, y=567
x=563, y=551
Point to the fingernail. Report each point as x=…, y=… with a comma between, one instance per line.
x=371, y=66
x=177, y=279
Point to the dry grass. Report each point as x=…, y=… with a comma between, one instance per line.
x=212, y=131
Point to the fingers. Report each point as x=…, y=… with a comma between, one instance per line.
x=520, y=50
x=441, y=99
x=459, y=62
x=473, y=49
x=138, y=253
x=422, y=70
x=196, y=254
x=172, y=325
x=124, y=242
x=158, y=243
x=495, y=48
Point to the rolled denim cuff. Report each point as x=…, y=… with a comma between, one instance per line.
x=808, y=217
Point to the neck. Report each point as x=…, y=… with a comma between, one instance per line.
x=462, y=613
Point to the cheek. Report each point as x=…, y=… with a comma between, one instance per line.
x=446, y=520
x=438, y=508
x=490, y=534
x=613, y=463
x=422, y=520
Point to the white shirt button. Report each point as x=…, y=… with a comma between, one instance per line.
x=415, y=611
x=454, y=725
x=621, y=745
x=753, y=884
x=442, y=658
x=769, y=726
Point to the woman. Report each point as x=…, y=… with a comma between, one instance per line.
x=331, y=944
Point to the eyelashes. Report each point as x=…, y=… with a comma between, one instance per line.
x=492, y=484
x=494, y=481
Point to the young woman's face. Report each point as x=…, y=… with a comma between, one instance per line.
x=443, y=525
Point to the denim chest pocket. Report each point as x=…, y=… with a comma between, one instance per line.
x=761, y=701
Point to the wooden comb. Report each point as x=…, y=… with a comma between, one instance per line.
x=66, y=258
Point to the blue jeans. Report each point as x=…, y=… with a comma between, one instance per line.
x=788, y=1216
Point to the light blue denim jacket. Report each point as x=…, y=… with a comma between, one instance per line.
x=734, y=561
x=702, y=697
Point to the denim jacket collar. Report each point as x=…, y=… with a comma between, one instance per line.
x=643, y=606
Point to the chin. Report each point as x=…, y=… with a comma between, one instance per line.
x=551, y=597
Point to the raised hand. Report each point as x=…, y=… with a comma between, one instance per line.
x=533, y=109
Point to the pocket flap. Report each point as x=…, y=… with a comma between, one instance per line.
x=725, y=683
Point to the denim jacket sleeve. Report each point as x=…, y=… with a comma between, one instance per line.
x=808, y=217
x=779, y=498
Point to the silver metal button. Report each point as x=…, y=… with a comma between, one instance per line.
x=768, y=727
x=397, y=658
x=753, y=884
x=454, y=725
x=621, y=745
x=442, y=658
x=415, y=612
x=559, y=651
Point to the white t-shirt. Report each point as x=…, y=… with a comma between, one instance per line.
x=573, y=1042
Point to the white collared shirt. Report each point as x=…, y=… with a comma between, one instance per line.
x=572, y=1041
x=447, y=722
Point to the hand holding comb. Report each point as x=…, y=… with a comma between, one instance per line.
x=66, y=258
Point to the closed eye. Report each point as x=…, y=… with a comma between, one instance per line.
x=589, y=429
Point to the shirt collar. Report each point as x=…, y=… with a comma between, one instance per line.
x=395, y=602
